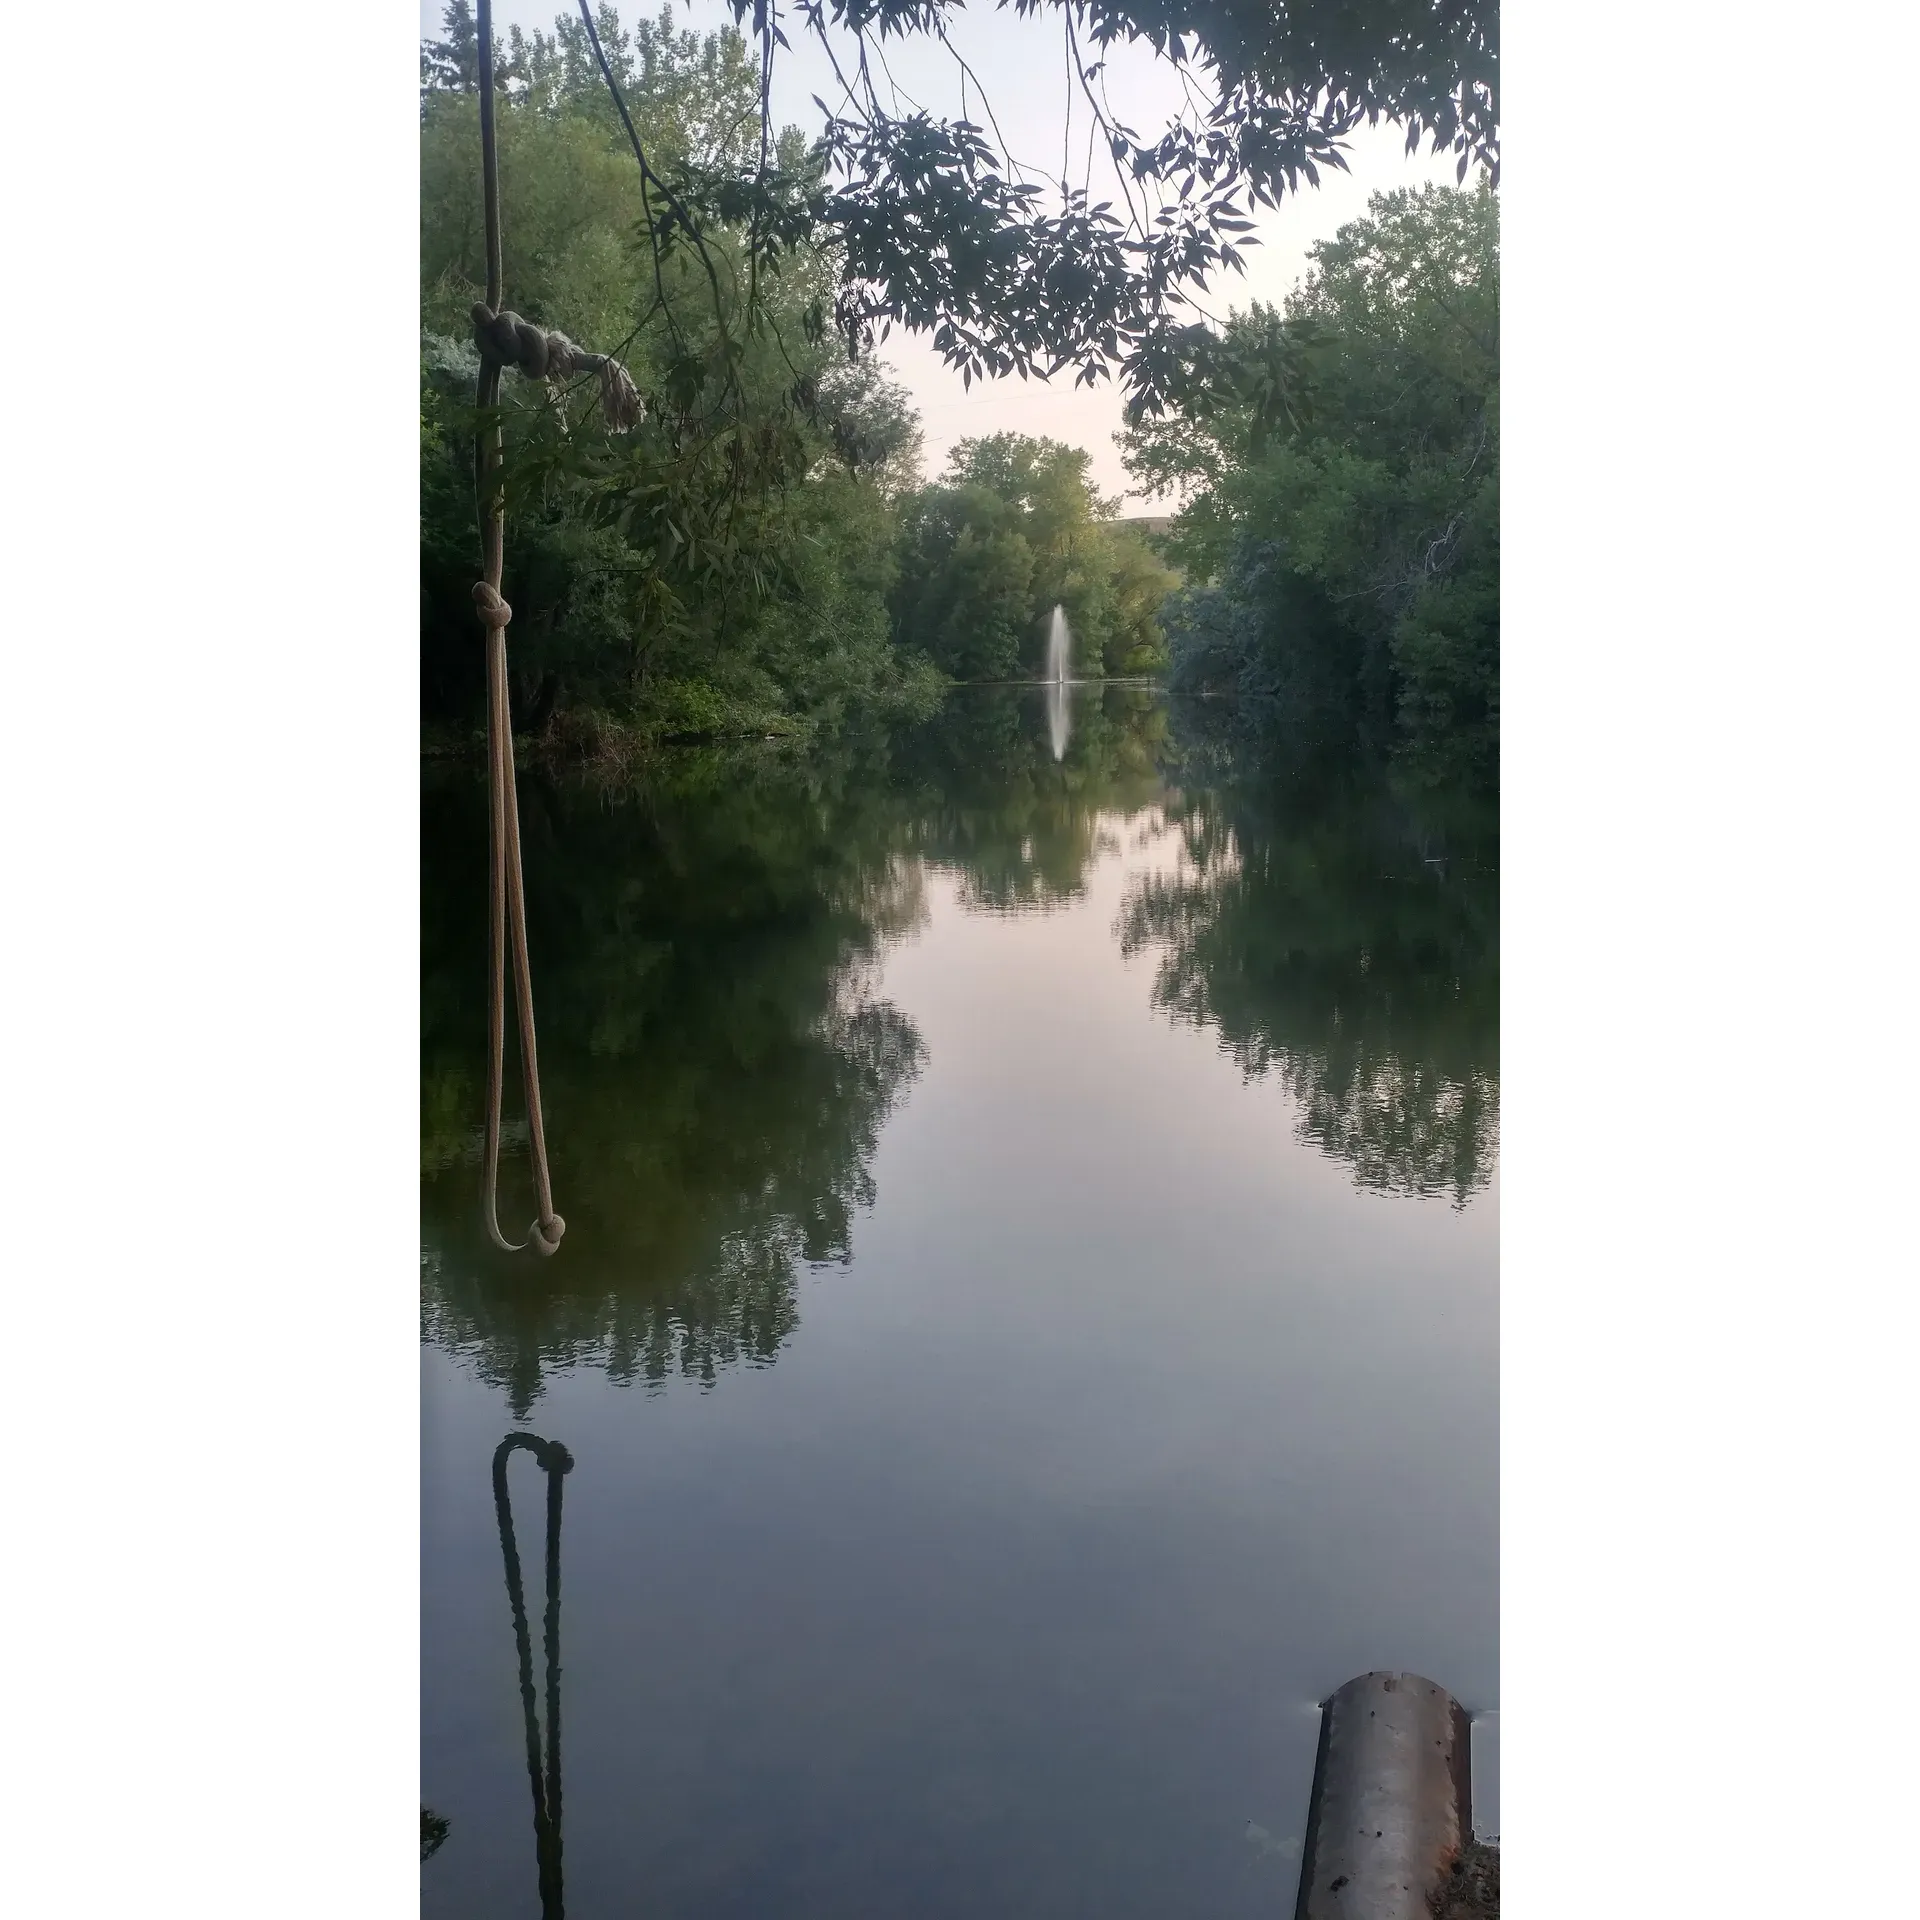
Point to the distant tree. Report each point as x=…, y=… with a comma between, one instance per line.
x=1015, y=529
x=1138, y=584
x=872, y=423
x=451, y=64
x=965, y=594
x=1348, y=573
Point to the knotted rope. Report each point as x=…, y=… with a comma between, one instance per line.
x=506, y=340
x=540, y=353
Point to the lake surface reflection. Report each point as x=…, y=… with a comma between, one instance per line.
x=1026, y=1328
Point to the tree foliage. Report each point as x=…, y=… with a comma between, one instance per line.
x=941, y=230
x=1014, y=530
x=933, y=225
x=757, y=545
x=1347, y=573
x=726, y=560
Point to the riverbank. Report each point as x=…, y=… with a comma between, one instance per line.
x=592, y=741
x=585, y=741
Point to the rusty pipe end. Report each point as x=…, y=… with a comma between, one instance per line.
x=1392, y=1800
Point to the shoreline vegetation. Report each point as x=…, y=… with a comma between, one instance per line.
x=766, y=559
x=588, y=738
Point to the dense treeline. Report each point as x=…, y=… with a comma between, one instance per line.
x=760, y=551
x=1344, y=575
x=1015, y=530
x=726, y=562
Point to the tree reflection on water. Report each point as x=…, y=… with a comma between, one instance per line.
x=1344, y=938
x=717, y=1067
x=719, y=1063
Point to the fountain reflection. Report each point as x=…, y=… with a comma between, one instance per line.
x=1059, y=696
x=1019, y=829
x=1059, y=717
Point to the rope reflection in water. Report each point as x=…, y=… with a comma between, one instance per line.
x=543, y=1767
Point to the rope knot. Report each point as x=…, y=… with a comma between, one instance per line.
x=493, y=611
x=506, y=340
x=544, y=1235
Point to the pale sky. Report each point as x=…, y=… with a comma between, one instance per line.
x=1024, y=67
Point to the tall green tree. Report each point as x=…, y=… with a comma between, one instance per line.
x=1347, y=572
x=966, y=583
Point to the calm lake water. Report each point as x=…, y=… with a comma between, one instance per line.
x=1026, y=1329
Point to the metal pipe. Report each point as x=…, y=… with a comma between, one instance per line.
x=1392, y=1800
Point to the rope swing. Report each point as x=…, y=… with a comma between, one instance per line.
x=506, y=340
x=508, y=888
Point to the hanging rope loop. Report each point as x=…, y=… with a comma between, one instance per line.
x=508, y=952
x=550, y=1455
